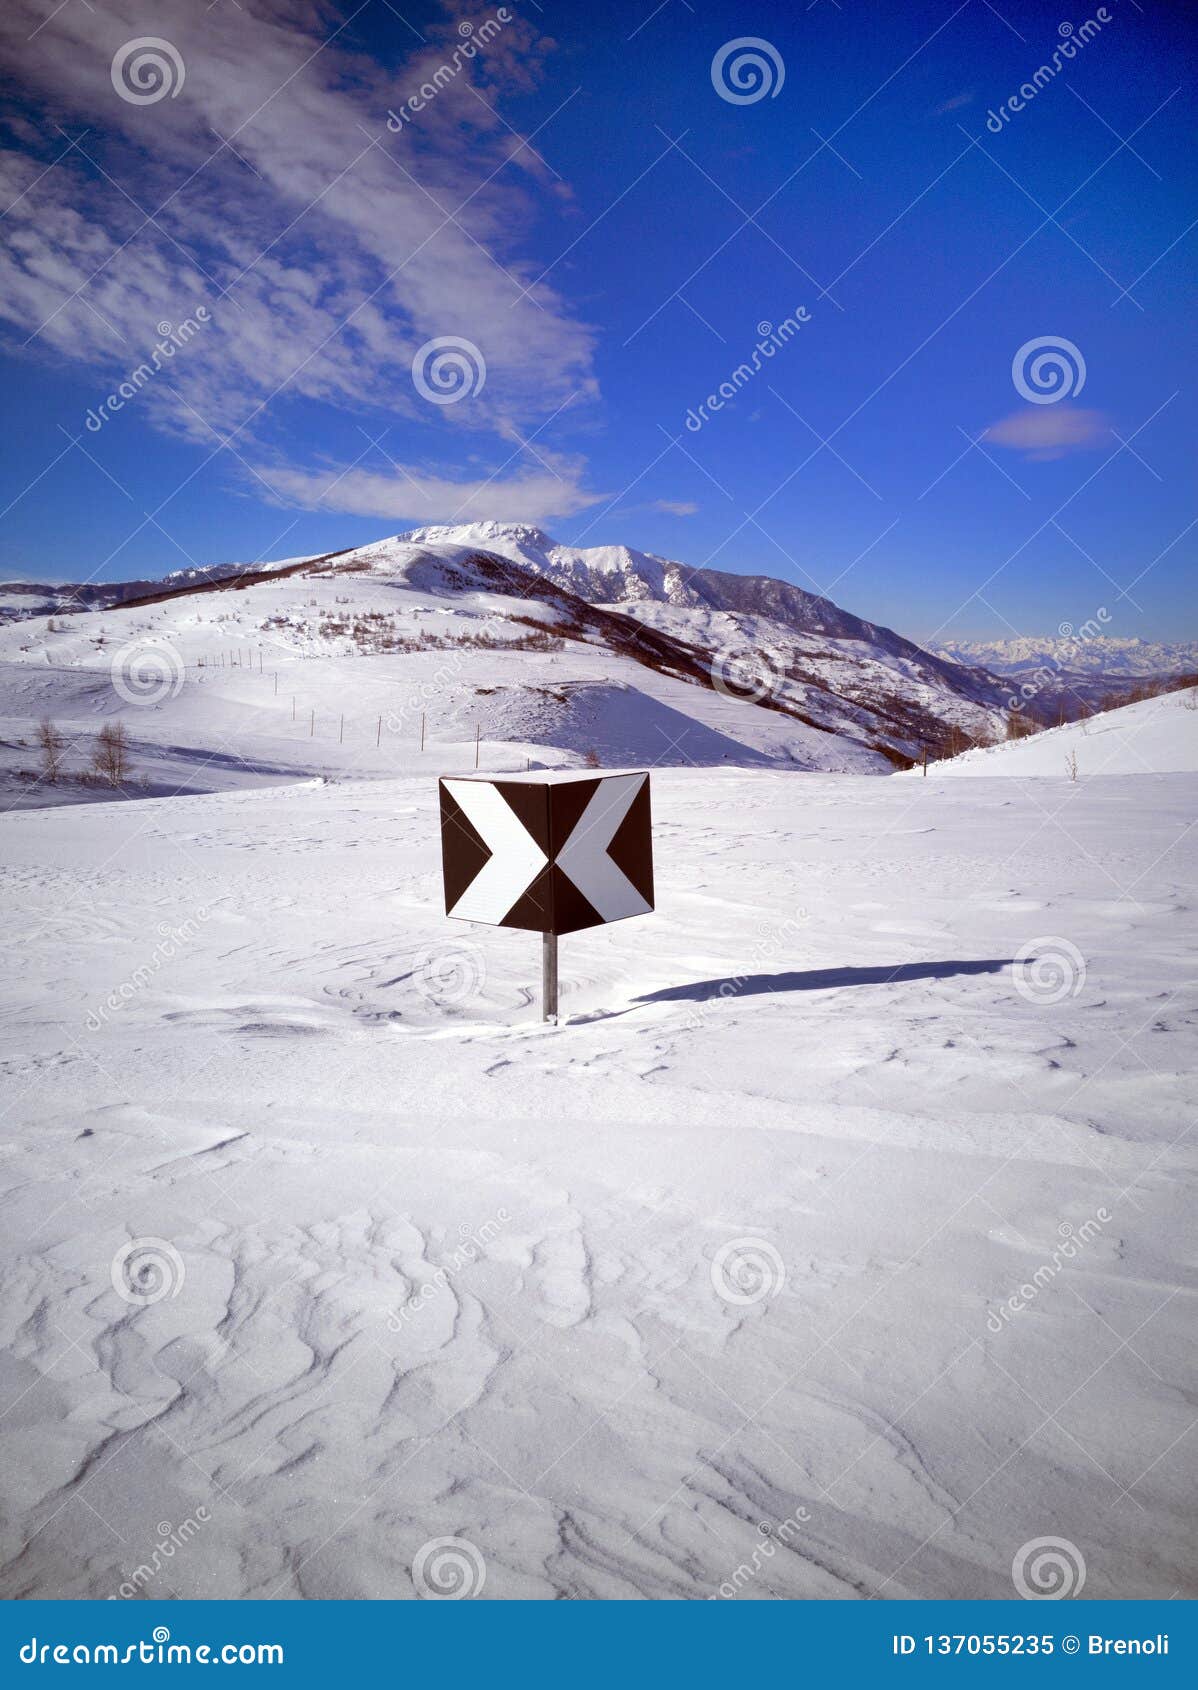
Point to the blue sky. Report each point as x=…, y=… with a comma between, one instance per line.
x=611, y=236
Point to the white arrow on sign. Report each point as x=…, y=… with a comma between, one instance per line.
x=516, y=858
x=584, y=855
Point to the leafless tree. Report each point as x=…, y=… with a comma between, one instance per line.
x=51, y=743
x=110, y=759
x=1071, y=765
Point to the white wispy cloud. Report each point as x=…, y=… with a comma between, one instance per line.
x=529, y=494
x=326, y=248
x=1050, y=431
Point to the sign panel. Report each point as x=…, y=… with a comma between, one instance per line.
x=549, y=852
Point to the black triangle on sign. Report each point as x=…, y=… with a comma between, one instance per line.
x=568, y=802
x=571, y=911
x=533, y=909
x=463, y=853
x=632, y=847
x=531, y=804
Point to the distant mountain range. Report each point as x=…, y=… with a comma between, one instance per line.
x=758, y=638
x=1076, y=653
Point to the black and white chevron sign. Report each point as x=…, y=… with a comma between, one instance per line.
x=548, y=852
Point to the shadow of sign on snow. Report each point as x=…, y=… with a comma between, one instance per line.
x=819, y=980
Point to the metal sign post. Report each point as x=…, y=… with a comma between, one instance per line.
x=551, y=851
x=548, y=976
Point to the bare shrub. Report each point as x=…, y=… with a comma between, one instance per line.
x=51, y=742
x=110, y=758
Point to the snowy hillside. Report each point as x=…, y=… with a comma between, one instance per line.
x=317, y=1242
x=761, y=638
x=344, y=666
x=792, y=633
x=1156, y=736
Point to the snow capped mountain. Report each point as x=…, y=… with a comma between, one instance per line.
x=629, y=621
x=1074, y=653
x=836, y=659
x=601, y=574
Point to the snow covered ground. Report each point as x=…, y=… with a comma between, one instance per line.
x=838, y=1243
x=1156, y=736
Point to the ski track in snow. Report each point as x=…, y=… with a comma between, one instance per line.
x=817, y=1042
